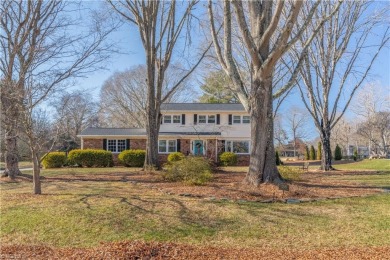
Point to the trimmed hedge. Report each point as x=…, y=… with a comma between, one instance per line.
x=54, y=160
x=90, y=158
x=228, y=159
x=174, y=157
x=132, y=158
x=192, y=170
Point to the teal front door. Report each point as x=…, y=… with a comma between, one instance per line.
x=198, y=147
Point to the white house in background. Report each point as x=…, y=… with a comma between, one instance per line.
x=190, y=128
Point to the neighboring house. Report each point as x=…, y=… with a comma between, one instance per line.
x=288, y=149
x=190, y=128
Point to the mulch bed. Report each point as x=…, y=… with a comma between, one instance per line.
x=313, y=185
x=156, y=250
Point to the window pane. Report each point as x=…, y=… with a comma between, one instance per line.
x=228, y=147
x=241, y=147
x=167, y=119
x=176, y=119
x=211, y=119
x=121, y=145
x=202, y=119
x=111, y=145
x=171, y=146
x=236, y=119
x=162, y=146
x=246, y=119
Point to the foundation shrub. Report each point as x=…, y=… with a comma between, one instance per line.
x=132, y=158
x=228, y=159
x=90, y=158
x=174, y=157
x=54, y=160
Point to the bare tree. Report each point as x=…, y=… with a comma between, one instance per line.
x=40, y=51
x=370, y=100
x=161, y=25
x=74, y=112
x=268, y=29
x=296, y=121
x=336, y=66
x=123, y=97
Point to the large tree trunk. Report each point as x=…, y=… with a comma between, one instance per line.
x=11, y=155
x=326, y=160
x=152, y=129
x=262, y=164
x=36, y=172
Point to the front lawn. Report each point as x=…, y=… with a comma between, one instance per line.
x=376, y=164
x=82, y=212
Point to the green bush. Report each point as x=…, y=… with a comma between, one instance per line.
x=355, y=154
x=132, y=158
x=290, y=173
x=312, y=153
x=307, y=153
x=191, y=171
x=54, y=160
x=278, y=161
x=337, y=153
x=174, y=157
x=228, y=159
x=319, y=151
x=90, y=158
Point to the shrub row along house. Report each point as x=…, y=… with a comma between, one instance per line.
x=190, y=128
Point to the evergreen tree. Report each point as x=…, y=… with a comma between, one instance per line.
x=355, y=154
x=312, y=153
x=307, y=153
x=216, y=89
x=337, y=153
x=319, y=151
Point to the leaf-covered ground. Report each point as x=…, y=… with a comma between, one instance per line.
x=154, y=250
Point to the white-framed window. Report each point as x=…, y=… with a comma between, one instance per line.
x=202, y=119
x=167, y=146
x=176, y=119
x=246, y=119
x=116, y=146
x=207, y=119
x=237, y=119
x=169, y=119
x=211, y=119
x=239, y=147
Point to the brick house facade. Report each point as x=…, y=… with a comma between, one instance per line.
x=193, y=129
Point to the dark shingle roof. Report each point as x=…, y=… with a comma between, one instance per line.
x=201, y=107
x=190, y=133
x=97, y=131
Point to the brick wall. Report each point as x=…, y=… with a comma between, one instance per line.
x=243, y=159
x=185, y=146
x=92, y=143
x=138, y=144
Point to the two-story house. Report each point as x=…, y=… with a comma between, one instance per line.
x=190, y=128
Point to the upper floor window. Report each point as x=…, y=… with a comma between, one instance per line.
x=209, y=119
x=167, y=146
x=175, y=119
x=239, y=147
x=241, y=119
x=116, y=146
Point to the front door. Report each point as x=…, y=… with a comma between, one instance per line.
x=198, y=147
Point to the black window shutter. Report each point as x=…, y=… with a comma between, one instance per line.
x=183, y=119
x=195, y=119
x=230, y=119
x=161, y=119
x=218, y=119
x=104, y=144
x=127, y=144
x=178, y=145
